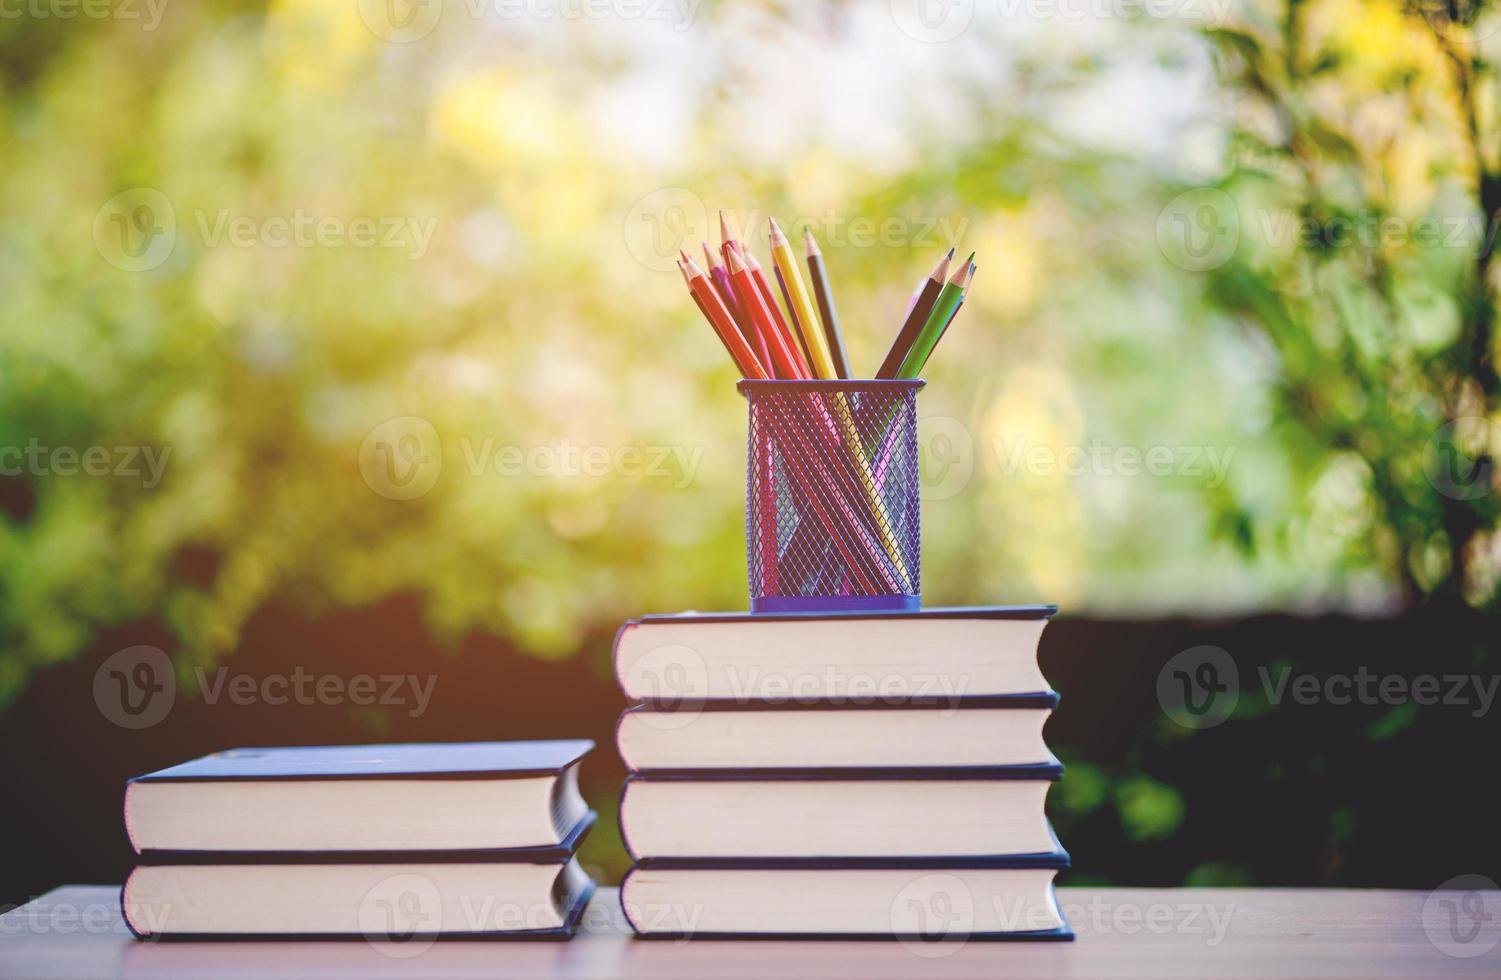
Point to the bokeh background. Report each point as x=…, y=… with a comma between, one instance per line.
x=342, y=337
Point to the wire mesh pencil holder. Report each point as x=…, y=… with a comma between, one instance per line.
x=832, y=496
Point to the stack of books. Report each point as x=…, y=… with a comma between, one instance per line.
x=390, y=843
x=841, y=775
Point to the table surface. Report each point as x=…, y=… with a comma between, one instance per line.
x=76, y=932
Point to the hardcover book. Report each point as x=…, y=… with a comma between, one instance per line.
x=421, y=798
x=929, y=656
x=980, y=898
x=901, y=814
x=397, y=900
x=978, y=733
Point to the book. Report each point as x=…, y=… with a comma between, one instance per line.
x=898, y=814
x=397, y=901
x=929, y=656
x=998, y=899
x=305, y=801
x=981, y=733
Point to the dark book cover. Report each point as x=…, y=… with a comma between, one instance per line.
x=431, y=760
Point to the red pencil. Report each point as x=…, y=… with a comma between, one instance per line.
x=782, y=359
x=763, y=286
x=732, y=244
x=720, y=319
x=720, y=276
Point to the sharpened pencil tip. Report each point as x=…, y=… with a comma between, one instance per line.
x=941, y=270
x=727, y=228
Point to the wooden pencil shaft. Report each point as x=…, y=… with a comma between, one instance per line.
x=828, y=315
x=797, y=327
x=913, y=325
x=783, y=361
x=719, y=318
x=778, y=322
x=943, y=312
x=799, y=305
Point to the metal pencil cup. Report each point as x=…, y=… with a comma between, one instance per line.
x=832, y=496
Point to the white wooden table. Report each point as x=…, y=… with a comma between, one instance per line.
x=76, y=932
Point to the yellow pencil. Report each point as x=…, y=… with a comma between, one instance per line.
x=797, y=297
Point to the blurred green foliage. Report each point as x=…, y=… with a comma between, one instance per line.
x=1364, y=149
x=518, y=296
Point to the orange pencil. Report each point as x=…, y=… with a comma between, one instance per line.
x=720, y=319
x=783, y=360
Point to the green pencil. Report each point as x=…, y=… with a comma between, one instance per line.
x=943, y=311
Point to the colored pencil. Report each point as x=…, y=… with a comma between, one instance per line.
x=730, y=242
x=799, y=305
x=968, y=281
x=944, y=307
x=719, y=318
x=754, y=292
x=714, y=266
x=916, y=318
x=784, y=361
x=721, y=278
x=689, y=283
x=802, y=345
x=763, y=286
x=728, y=236
x=828, y=316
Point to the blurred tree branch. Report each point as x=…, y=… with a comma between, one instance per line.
x=1356, y=377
